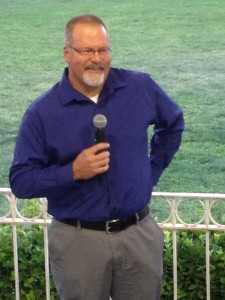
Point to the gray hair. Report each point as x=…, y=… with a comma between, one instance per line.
x=86, y=19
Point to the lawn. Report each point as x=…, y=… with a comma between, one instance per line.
x=180, y=43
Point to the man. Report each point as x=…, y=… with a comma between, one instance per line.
x=103, y=241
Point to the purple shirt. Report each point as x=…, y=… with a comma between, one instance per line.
x=58, y=125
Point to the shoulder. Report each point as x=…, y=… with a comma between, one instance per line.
x=45, y=100
x=127, y=74
x=132, y=77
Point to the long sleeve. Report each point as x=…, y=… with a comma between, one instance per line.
x=167, y=133
x=32, y=174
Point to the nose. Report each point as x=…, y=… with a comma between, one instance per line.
x=96, y=57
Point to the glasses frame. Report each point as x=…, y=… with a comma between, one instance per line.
x=89, y=52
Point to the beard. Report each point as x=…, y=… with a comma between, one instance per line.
x=94, y=79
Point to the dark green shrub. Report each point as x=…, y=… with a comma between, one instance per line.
x=30, y=239
x=191, y=265
x=31, y=263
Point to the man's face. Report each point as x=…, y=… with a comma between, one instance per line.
x=88, y=69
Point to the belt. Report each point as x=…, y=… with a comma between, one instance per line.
x=111, y=225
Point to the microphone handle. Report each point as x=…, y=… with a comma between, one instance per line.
x=100, y=138
x=99, y=135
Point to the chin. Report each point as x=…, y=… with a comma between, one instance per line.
x=94, y=81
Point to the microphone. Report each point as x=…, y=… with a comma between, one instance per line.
x=100, y=122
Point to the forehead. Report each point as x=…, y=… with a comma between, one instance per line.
x=86, y=35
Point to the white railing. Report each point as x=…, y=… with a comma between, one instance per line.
x=172, y=202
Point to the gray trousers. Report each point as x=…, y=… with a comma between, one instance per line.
x=95, y=265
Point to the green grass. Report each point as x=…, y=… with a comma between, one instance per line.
x=180, y=43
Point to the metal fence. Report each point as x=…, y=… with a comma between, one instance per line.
x=174, y=206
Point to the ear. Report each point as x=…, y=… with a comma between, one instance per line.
x=66, y=53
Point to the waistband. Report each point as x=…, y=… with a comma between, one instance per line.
x=111, y=225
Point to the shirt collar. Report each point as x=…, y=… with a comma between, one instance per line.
x=68, y=93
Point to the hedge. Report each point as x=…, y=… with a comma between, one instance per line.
x=191, y=265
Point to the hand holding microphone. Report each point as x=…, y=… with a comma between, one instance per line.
x=94, y=160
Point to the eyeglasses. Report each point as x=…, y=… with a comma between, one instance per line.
x=88, y=52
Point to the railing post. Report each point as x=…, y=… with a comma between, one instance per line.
x=174, y=220
x=47, y=273
x=15, y=246
x=207, y=249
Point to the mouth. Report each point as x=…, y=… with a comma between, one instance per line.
x=94, y=75
x=95, y=68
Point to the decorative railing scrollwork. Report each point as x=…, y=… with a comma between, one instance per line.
x=171, y=210
x=189, y=210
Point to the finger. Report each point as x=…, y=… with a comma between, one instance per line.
x=101, y=163
x=102, y=169
x=100, y=147
x=102, y=155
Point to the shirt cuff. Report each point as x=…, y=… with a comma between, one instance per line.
x=65, y=175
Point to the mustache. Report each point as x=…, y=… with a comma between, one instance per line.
x=99, y=66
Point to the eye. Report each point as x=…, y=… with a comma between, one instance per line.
x=104, y=51
x=86, y=52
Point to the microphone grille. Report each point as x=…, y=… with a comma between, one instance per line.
x=100, y=121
